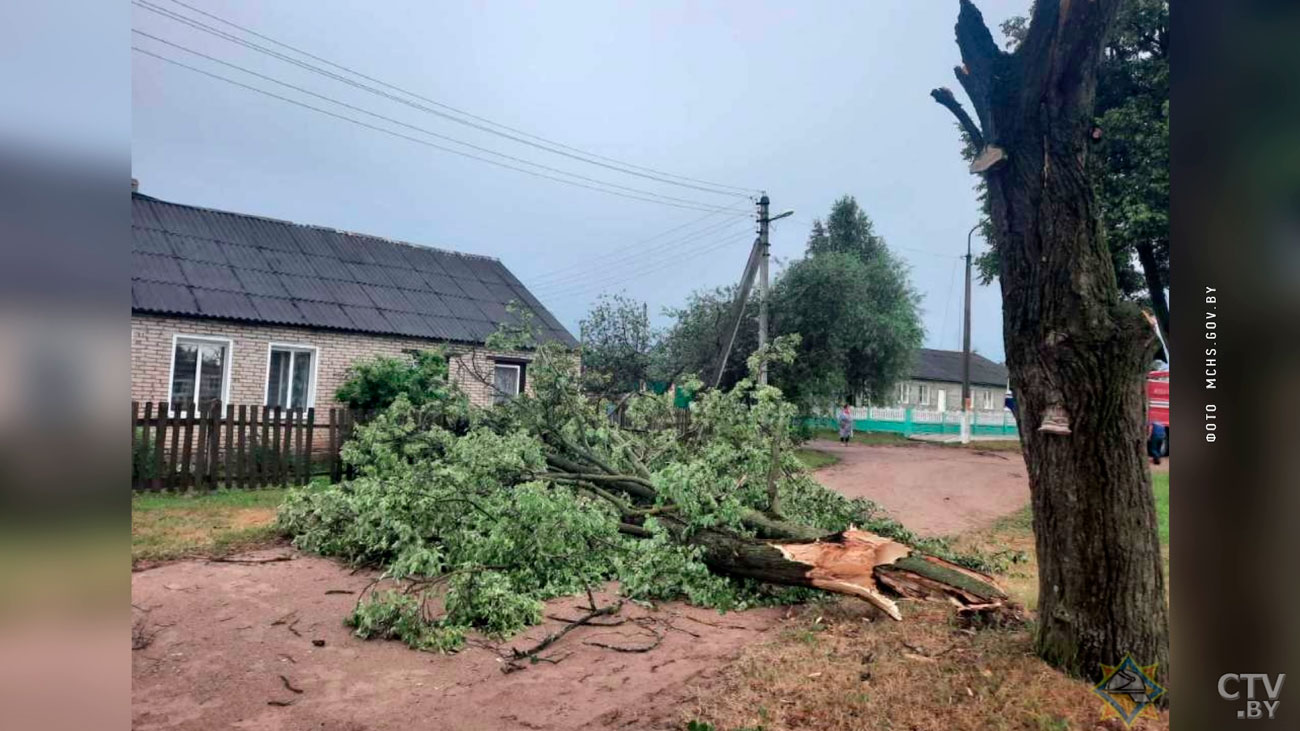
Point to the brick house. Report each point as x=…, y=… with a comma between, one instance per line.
x=251, y=310
x=935, y=382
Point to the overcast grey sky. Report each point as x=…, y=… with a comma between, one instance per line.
x=808, y=101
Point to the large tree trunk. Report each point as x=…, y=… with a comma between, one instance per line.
x=1077, y=353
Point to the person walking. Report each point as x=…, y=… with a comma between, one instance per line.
x=1156, y=441
x=845, y=420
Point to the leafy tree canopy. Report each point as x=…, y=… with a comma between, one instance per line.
x=859, y=326
x=616, y=345
x=849, y=300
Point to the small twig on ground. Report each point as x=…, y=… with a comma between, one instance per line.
x=555, y=636
x=229, y=559
x=714, y=624
x=289, y=686
x=339, y=591
x=293, y=630
x=281, y=704
x=141, y=635
x=290, y=617
x=593, y=623
x=621, y=648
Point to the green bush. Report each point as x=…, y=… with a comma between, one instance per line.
x=142, y=457
x=376, y=383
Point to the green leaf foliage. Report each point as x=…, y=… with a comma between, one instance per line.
x=377, y=382
x=616, y=345
x=474, y=526
x=849, y=300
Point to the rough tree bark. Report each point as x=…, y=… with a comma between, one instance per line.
x=1077, y=353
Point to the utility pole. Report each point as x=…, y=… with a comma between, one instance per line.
x=765, y=249
x=757, y=265
x=965, y=354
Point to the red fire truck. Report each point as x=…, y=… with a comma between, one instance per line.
x=1158, y=401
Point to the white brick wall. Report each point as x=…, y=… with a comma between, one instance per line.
x=151, y=354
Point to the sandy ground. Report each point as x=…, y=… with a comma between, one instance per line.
x=934, y=491
x=217, y=657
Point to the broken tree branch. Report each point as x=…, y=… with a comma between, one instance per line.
x=944, y=96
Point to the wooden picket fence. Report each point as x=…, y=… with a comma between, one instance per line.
x=236, y=447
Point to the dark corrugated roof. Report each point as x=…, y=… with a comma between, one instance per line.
x=945, y=365
x=200, y=262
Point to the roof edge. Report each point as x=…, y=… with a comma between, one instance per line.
x=316, y=227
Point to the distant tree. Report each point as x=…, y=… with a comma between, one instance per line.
x=858, y=322
x=616, y=345
x=848, y=299
x=847, y=230
x=694, y=343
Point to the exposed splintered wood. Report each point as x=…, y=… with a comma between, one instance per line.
x=847, y=563
x=853, y=562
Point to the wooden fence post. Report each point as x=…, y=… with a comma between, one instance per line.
x=201, y=451
x=264, y=450
x=307, y=456
x=241, y=434
x=187, y=473
x=334, y=444
x=160, y=444
x=227, y=475
x=135, y=452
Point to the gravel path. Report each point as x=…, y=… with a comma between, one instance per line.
x=935, y=491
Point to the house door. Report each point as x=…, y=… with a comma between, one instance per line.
x=943, y=399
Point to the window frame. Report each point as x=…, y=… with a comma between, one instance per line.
x=922, y=394
x=311, y=378
x=225, y=369
x=519, y=379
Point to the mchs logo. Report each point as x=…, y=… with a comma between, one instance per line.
x=1261, y=693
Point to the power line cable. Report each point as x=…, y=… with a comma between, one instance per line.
x=952, y=279
x=426, y=143
x=411, y=126
x=597, y=286
x=518, y=136
x=631, y=260
x=634, y=246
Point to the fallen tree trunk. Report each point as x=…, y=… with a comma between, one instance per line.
x=852, y=562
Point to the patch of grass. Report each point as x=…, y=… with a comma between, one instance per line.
x=894, y=439
x=867, y=671
x=841, y=665
x=1160, y=485
x=867, y=437
x=814, y=459
x=167, y=527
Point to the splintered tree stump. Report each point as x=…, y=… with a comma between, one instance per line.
x=852, y=562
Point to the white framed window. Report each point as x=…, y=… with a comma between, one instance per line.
x=507, y=380
x=986, y=400
x=200, y=372
x=923, y=397
x=291, y=376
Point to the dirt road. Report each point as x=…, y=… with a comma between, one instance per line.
x=263, y=646
x=933, y=490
